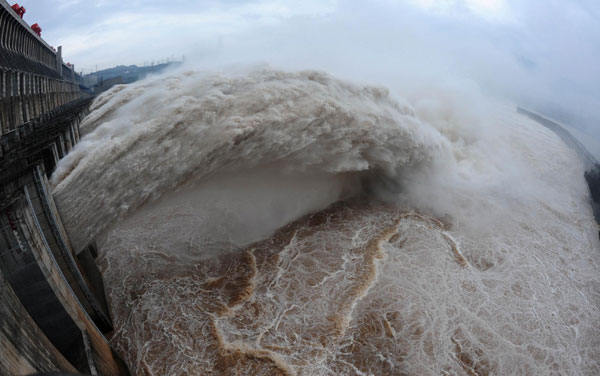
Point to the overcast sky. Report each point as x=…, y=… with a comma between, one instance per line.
x=541, y=53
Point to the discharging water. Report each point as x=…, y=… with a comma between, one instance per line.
x=291, y=223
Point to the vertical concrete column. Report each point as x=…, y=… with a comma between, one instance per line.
x=67, y=138
x=26, y=45
x=55, y=153
x=34, y=82
x=40, y=94
x=2, y=83
x=59, y=60
x=9, y=34
x=18, y=106
x=20, y=37
x=3, y=122
x=47, y=88
x=34, y=95
x=62, y=150
x=72, y=133
x=26, y=97
x=5, y=103
x=1, y=94
x=56, y=94
x=17, y=39
x=9, y=28
x=47, y=84
x=2, y=20
x=3, y=100
x=14, y=88
x=22, y=95
x=13, y=93
x=77, y=132
x=49, y=92
x=13, y=32
x=31, y=95
x=4, y=33
x=8, y=101
x=36, y=92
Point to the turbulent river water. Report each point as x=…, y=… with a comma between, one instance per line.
x=268, y=222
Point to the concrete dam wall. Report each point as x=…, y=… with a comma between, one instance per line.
x=53, y=312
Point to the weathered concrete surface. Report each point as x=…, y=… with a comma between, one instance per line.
x=38, y=262
x=23, y=347
x=17, y=37
x=21, y=269
x=25, y=96
x=52, y=315
x=41, y=286
x=43, y=140
x=58, y=242
x=33, y=77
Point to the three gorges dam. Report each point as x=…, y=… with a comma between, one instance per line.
x=285, y=223
x=53, y=312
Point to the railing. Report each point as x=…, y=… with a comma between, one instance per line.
x=17, y=36
x=33, y=78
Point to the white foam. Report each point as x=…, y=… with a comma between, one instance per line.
x=155, y=135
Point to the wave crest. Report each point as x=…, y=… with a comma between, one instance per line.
x=153, y=136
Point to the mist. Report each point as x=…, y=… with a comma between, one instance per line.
x=541, y=58
x=230, y=211
x=538, y=55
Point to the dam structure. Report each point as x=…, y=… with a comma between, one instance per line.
x=53, y=311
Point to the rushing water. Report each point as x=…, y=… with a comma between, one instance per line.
x=291, y=223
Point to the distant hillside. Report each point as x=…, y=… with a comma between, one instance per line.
x=129, y=73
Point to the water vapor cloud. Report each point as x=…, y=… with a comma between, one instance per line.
x=541, y=55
